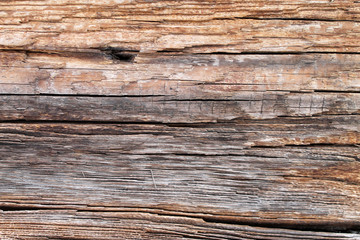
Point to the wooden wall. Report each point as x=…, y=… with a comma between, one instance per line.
x=145, y=119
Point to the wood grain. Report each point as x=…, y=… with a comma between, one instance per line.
x=106, y=225
x=210, y=26
x=124, y=119
x=180, y=88
x=51, y=11
x=230, y=36
x=167, y=110
x=219, y=173
x=176, y=75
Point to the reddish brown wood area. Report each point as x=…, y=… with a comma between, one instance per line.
x=138, y=119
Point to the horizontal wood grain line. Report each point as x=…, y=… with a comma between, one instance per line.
x=83, y=95
x=86, y=122
x=265, y=53
x=315, y=19
x=103, y=51
x=336, y=91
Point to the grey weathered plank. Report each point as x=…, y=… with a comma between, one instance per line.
x=216, y=169
x=168, y=110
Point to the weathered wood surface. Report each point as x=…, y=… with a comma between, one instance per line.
x=210, y=26
x=218, y=173
x=179, y=119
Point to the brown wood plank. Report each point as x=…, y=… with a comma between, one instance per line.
x=180, y=88
x=177, y=75
x=192, y=26
x=50, y=11
x=217, y=173
x=231, y=36
x=149, y=224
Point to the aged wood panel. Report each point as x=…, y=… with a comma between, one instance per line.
x=124, y=119
x=177, y=88
x=232, y=36
x=167, y=110
x=106, y=225
x=217, y=172
x=211, y=26
x=50, y=10
x=181, y=76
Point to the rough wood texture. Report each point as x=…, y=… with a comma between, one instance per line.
x=124, y=119
x=194, y=26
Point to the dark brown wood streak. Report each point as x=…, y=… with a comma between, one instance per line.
x=124, y=119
